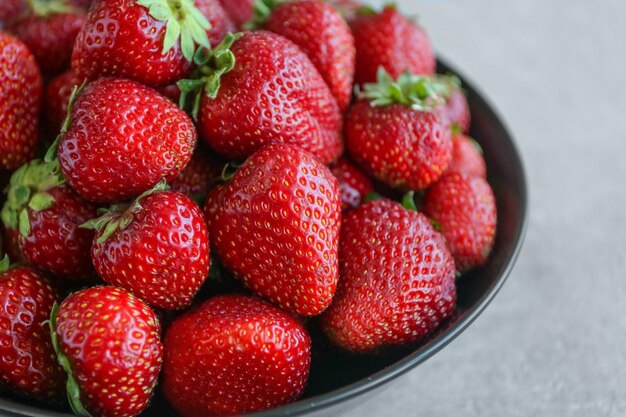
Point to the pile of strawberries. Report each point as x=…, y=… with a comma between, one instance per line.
x=314, y=119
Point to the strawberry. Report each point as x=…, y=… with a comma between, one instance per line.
x=49, y=29
x=396, y=278
x=465, y=209
x=48, y=214
x=320, y=31
x=20, y=98
x=390, y=40
x=354, y=185
x=259, y=88
x=232, y=355
x=240, y=11
x=467, y=157
x=57, y=99
x=275, y=225
x=108, y=343
x=170, y=91
x=399, y=132
x=456, y=106
x=122, y=139
x=150, y=41
x=28, y=365
x=157, y=248
x=200, y=175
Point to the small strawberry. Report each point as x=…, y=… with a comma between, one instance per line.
x=150, y=41
x=465, y=209
x=457, y=106
x=200, y=175
x=232, y=355
x=467, y=157
x=322, y=33
x=108, y=343
x=57, y=99
x=259, y=88
x=240, y=11
x=354, y=185
x=122, y=139
x=275, y=225
x=28, y=366
x=49, y=29
x=390, y=40
x=20, y=98
x=157, y=248
x=48, y=214
x=396, y=278
x=398, y=132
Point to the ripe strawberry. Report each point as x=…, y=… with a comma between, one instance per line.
x=150, y=41
x=157, y=248
x=49, y=30
x=390, y=40
x=170, y=91
x=467, y=157
x=465, y=209
x=320, y=31
x=354, y=185
x=28, y=366
x=123, y=138
x=456, y=106
x=275, y=225
x=48, y=214
x=261, y=89
x=57, y=99
x=396, y=278
x=200, y=175
x=108, y=343
x=399, y=133
x=240, y=11
x=232, y=355
x=20, y=98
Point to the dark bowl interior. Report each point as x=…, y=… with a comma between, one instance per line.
x=338, y=378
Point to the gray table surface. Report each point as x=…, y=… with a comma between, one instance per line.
x=553, y=343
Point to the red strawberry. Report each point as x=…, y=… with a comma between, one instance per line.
x=240, y=11
x=157, y=248
x=354, y=185
x=20, y=98
x=320, y=31
x=48, y=215
x=270, y=93
x=396, y=278
x=390, y=40
x=170, y=91
x=232, y=355
x=150, y=41
x=465, y=209
x=200, y=175
x=28, y=366
x=398, y=132
x=49, y=30
x=57, y=99
x=108, y=343
x=275, y=225
x=467, y=157
x=457, y=106
x=123, y=138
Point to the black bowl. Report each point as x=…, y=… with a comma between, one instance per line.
x=339, y=379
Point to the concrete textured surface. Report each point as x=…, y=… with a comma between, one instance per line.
x=553, y=343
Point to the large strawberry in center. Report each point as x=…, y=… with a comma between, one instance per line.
x=276, y=227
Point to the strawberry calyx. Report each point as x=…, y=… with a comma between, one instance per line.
x=72, y=389
x=4, y=264
x=448, y=84
x=261, y=10
x=420, y=93
x=184, y=21
x=408, y=201
x=45, y=8
x=212, y=64
x=119, y=216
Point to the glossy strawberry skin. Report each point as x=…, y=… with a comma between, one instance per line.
x=320, y=31
x=111, y=340
x=20, y=100
x=274, y=94
x=56, y=243
x=392, y=41
x=240, y=11
x=465, y=208
x=396, y=279
x=57, y=98
x=234, y=354
x=458, y=110
x=467, y=158
x=404, y=148
x=275, y=225
x=50, y=39
x=354, y=185
x=122, y=140
x=162, y=257
x=200, y=175
x=29, y=366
